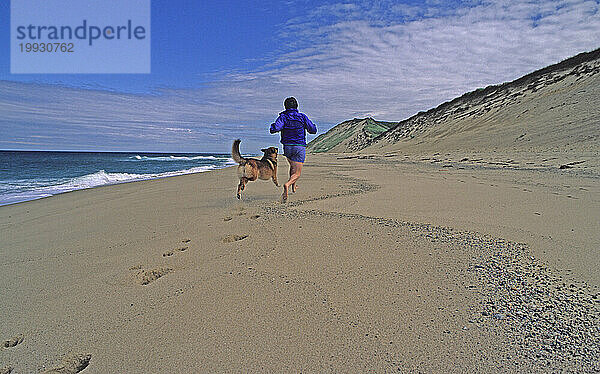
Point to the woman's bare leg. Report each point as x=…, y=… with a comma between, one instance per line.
x=295, y=171
x=293, y=184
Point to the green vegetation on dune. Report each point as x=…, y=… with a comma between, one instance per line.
x=348, y=131
x=333, y=137
x=375, y=128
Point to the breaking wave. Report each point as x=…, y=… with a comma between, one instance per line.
x=31, y=190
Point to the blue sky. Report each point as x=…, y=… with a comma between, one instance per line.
x=221, y=69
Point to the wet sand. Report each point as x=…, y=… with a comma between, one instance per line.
x=380, y=264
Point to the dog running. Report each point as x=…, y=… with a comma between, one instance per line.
x=250, y=169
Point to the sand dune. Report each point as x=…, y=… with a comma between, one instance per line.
x=556, y=108
x=552, y=109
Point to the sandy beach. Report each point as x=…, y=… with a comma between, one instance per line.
x=391, y=263
x=446, y=219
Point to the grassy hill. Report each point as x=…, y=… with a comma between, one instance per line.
x=349, y=135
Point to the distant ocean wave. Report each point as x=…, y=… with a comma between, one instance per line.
x=179, y=158
x=101, y=178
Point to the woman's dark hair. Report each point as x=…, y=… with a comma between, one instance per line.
x=290, y=102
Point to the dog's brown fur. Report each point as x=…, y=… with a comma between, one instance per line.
x=250, y=169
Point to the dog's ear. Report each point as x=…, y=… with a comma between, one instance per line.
x=264, y=150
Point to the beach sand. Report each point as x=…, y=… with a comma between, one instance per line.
x=377, y=264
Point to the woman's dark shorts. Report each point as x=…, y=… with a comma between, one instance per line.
x=294, y=152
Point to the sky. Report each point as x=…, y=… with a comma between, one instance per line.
x=220, y=70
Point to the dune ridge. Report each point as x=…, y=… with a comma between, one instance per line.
x=556, y=108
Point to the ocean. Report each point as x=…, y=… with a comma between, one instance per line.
x=28, y=175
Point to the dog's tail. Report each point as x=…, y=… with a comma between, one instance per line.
x=235, y=151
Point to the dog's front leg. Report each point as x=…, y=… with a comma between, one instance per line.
x=274, y=177
x=240, y=188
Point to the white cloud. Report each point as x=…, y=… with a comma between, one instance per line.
x=364, y=62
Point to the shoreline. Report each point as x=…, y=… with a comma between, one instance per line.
x=112, y=184
x=393, y=267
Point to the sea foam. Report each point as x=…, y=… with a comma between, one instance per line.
x=100, y=178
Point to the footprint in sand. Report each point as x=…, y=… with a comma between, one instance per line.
x=71, y=364
x=172, y=252
x=233, y=238
x=186, y=240
x=145, y=277
x=6, y=370
x=227, y=219
x=13, y=341
x=254, y=216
